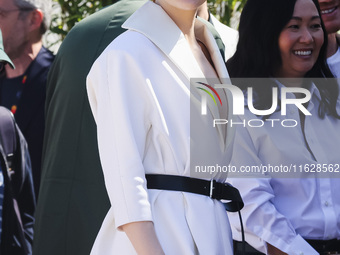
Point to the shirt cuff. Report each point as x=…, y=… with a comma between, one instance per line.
x=300, y=246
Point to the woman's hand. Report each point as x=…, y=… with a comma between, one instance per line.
x=274, y=251
x=143, y=238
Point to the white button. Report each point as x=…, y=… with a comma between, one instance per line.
x=301, y=253
x=326, y=203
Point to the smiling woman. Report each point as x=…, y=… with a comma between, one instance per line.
x=300, y=50
x=278, y=40
x=300, y=41
x=330, y=11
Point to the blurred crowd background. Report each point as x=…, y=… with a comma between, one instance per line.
x=66, y=13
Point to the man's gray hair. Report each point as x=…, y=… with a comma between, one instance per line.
x=44, y=5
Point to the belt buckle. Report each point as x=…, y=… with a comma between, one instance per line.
x=211, y=192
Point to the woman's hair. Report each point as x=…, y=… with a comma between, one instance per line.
x=258, y=54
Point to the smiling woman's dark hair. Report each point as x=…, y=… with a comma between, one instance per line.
x=258, y=54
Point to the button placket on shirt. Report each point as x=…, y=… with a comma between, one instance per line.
x=320, y=157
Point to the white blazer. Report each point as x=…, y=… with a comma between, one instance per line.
x=149, y=121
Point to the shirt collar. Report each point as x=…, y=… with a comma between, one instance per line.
x=312, y=89
x=315, y=93
x=154, y=23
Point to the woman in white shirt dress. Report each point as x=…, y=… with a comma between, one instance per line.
x=139, y=92
x=295, y=208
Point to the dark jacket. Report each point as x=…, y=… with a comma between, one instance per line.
x=73, y=201
x=30, y=113
x=19, y=199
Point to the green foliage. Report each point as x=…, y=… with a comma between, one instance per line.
x=68, y=12
x=227, y=11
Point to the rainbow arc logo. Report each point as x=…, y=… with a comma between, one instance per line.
x=209, y=93
x=204, y=99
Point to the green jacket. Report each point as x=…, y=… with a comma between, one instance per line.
x=73, y=201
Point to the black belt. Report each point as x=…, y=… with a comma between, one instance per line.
x=249, y=250
x=212, y=189
x=325, y=246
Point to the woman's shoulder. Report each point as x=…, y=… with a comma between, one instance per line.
x=130, y=42
x=129, y=51
x=130, y=46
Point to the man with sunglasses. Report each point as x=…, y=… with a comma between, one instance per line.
x=22, y=90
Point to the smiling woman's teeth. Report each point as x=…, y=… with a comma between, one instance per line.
x=303, y=53
x=327, y=11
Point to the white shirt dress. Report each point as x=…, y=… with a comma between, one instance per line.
x=143, y=104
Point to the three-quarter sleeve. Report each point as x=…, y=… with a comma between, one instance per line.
x=120, y=103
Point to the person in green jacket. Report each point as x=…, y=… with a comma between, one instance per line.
x=73, y=200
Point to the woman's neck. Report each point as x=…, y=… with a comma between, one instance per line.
x=184, y=19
